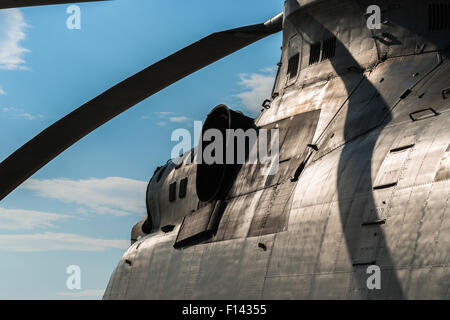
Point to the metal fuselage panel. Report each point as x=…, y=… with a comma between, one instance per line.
x=377, y=191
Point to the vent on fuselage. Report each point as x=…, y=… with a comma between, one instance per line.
x=329, y=49
x=322, y=50
x=439, y=16
x=293, y=66
x=314, y=53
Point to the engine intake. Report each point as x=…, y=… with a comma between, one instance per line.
x=214, y=180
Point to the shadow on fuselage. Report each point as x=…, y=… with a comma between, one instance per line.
x=354, y=180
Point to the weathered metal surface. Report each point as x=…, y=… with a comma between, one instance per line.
x=200, y=225
x=377, y=190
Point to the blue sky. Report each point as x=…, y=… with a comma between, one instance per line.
x=80, y=208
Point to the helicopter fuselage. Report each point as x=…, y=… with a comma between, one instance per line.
x=363, y=178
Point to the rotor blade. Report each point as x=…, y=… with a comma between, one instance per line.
x=6, y=4
x=55, y=139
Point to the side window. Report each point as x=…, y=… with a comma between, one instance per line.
x=173, y=191
x=183, y=188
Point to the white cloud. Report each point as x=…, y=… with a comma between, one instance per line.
x=27, y=116
x=18, y=219
x=82, y=293
x=113, y=195
x=164, y=113
x=49, y=241
x=12, y=32
x=257, y=86
x=2, y=92
x=19, y=113
x=165, y=117
x=179, y=119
